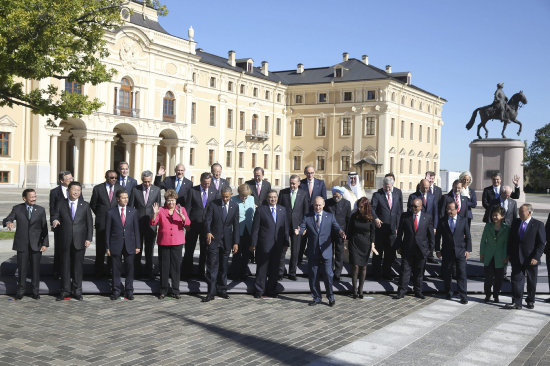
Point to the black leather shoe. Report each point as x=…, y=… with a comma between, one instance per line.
x=547, y=300
x=18, y=296
x=448, y=296
x=208, y=298
x=336, y=278
x=530, y=305
x=61, y=297
x=420, y=295
x=487, y=298
x=113, y=297
x=78, y=297
x=312, y=303
x=331, y=303
x=292, y=278
x=464, y=301
x=354, y=295
x=162, y=296
x=130, y=296
x=360, y=296
x=280, y=278
x=513, y=306
x=36, y=296
x=176, y=296
x=257, y=296
x=496, y=299
x=399, y=296
x=224, y=295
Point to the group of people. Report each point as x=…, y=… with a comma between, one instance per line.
x=260, y=224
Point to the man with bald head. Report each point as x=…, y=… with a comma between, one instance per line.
x=505, y=201
x=178, y=182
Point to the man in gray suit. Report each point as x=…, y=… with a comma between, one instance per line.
x=142, y=199
x=217, y=181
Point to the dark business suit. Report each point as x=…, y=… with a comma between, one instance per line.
x=319, y=189
x=262, y=198
x=197, y=215
x=319, y=251
x=520, y=252
x=342, y=213
x=148, y=233
x=509, y=216
x=74, y=232
x=122, y=240
x=100, y=204
x=429, y=206
x=488, y=197
x=30, y=235
x=449, y=197
x=223, y=224
x=453, y=246
x=170, y=183
x=385, y=235
x=129, y=185
x=223, y=183
x=268, y=237
x=415, y=247
x=437, y=193
x=294, y=216
x=472, y=203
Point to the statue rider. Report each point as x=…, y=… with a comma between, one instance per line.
x=500, y=101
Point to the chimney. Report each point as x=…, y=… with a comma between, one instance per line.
x=264, y=69
x=345, y=56
x=231, y=58
x=300, y=69
x=365, y=59
x=388, y=69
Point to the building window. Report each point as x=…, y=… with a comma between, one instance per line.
x=435, y=136
x=371, y=95
x=212, y=116
x=278, y=127
x=267, y=95
x=320, y=163
x=410, y=185
x=299, y=99
x=193, y=112
x=428, y=137
x=73, y=87
x=427, y=165
x=419, y=167
x=266, y=124
x=393, y=97
x=298, y=127
x=297, y=163
x=338, y=72
x=346, y=126
x=4, y=177
x=410, y=166
x=435, y=166
x=402, y=129
x=277, y=162
x=4, y=144
x=401, y=185
x=168, y=107
x=391, y=164
x=401, y=165
x=255, y=92
x=194, y=77
x=321, y=127
x=393, y=127
x=276, y=182
x=125, y=97
x=230, y=86
x=403, y=100
x=228, y=179
x=345, y=163
x=412, y=103
x=228, y=159
x=370, y=126
x=241, y=159
x=254, y=122
x=212, y=82
x=266, y=161
x=192, y=156
x=253, y=160
x=278, y=97
x=420, y=133
x=420, y=106
x=242, y=89
x=230, y=118
x=412, y=131
x=322, y=97
x=242, y=121
x=210, y=156
x=348, y=96
x=241, y=181
x=192, y=179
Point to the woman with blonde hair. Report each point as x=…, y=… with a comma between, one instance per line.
x=466, y=179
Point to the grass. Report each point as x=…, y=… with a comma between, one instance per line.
x=7, y=234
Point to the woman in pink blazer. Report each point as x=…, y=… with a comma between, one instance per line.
x=172, y=219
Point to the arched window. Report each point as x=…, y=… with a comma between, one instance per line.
x=254, y=122
x=124, y=104
x=168, y=107
x=403, y=100
x=412, y=103
x=73, y=87
x=393, y=97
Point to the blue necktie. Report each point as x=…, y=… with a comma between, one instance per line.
x=72, y=210
x=522, y=230
x=273, y=214
x=318, y=221
x=30, y=212
x=224, y=215
x=204, y=199
x=178, y=185
x=452, y=225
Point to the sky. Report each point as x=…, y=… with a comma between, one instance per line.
x=458, y=50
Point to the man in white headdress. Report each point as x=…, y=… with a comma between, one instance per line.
x=354, y=190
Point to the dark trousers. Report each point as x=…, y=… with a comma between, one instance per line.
x=239, y=262
x=147, y=246
x=170, y=263
x=71, y=267
x=447, y=264
x=493, y=278
x=338, y=250
x=196, y=231
x=295, y=242
x=116, y=265
x=303, y=246
x=267, y=270
x=217, y=259
x=24, y=258
x=384, y=246
x=519, y=274
x=316, y=265
x=414, y=262
x=100, y=249
x=57, y=251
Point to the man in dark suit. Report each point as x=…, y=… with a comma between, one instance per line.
x=124, y=179
x=429, y=204
x=341, y=209
x=454, y=196
x=415, y=239
x=547, y=250
x=491, y=194
x=259, y=186
x=455, y=249
x=30, y=240
x=103, y=199
x=199, y=198
x=75, y=220
x=222, y=237
x=217, y=181
x=525, y=247
x=143, y=198
x=436, y=192
x=510, y=206
x=295, y=202
x=178, y=182
x=269, y=235
x=320, y=226
x=122, y=240
x=387, y=207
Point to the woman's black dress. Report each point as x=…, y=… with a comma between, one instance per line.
x=361, y=237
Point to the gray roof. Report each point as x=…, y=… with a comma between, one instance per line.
x=138, y=19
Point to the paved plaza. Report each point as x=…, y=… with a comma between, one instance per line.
x=247, y=331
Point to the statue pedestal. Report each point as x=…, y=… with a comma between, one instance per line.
x=496, y=155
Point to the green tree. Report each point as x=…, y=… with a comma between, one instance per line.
x=62, y=39
x=538, y=160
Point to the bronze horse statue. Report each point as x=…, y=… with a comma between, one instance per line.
x=490, y=112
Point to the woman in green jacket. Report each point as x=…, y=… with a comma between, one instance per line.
x=493, y=252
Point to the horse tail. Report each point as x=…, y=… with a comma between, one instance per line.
x=472, y=120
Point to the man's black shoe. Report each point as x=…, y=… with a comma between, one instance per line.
x=313, y=303
x=208, y=298
x=331, y=303
x=420, y=295
x=513, y=306
x=464, y=301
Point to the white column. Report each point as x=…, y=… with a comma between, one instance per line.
x=76, y=158
x=53, y=160
x=108, y=150
x=146, y=156
x=87, y=169
x=154, y=158
x=127, y=150
x=137, y=159
x=178, y=155
x=167, y=159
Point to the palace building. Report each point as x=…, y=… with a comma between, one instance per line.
x=171, y=102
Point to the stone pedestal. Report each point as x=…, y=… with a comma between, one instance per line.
x=496, y=155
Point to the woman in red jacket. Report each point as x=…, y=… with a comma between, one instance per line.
x=171, y=220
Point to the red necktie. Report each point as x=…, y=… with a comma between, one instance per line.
x=258, y=188
x=122, y=216
x=415, y=222
x=110, y=193
x=425, y=201
x=457, y=200
x=389, y=199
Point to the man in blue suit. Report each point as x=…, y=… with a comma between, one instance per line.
x=320, y=226
x=457, y=246
x=124, y=179
x=269, y=235
x=222, y=237
x=122, y=240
